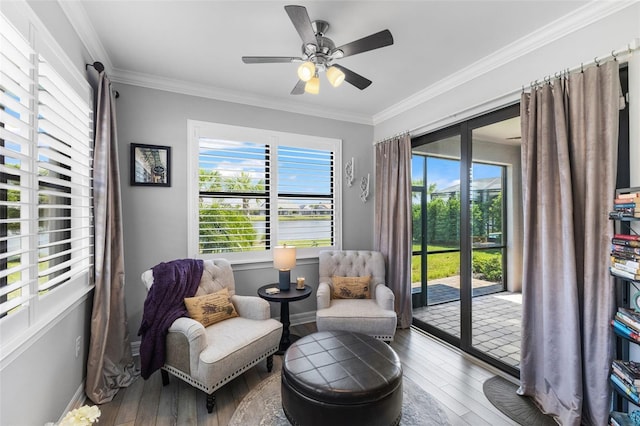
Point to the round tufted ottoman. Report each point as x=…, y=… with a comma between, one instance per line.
x=341, y=378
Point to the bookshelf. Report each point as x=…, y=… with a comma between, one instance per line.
x=626, y=283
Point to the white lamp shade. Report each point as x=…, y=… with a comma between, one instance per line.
x=306, y=71
x=335, y=76
x=313, y=86
x=284, y=257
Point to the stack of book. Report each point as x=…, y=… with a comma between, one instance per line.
x=625, y=376
x=626, y=205
x=627, y=324
x=625, y=256
x=617, y=418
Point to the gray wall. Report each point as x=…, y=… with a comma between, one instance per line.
x=155, y=219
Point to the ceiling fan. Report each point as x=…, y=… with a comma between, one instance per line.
x=319, y=54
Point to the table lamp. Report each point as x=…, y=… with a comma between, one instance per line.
x=284, y=258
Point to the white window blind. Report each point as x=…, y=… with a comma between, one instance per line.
x=258, y=189
x=17, y=149
x=64, y=180
x=305, y=197
x=233, y=182
x=45, y=180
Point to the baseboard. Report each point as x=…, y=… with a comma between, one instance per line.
x=78, y=400
x=303, y=318
x=135, y=348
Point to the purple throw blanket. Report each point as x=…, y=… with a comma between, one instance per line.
x=172, y=282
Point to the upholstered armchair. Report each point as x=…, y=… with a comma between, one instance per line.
x=207, y=358
x=375, y=315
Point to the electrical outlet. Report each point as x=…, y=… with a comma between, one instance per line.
x=78, y=341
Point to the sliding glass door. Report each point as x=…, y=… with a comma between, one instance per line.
x=436, y=230
x=466, y=226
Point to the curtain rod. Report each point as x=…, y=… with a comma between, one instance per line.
x=397, y=135
x=620, y=54
x=99, y=66
x=508, y=98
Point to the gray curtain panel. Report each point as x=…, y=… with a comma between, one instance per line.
x=393, y=219
x=110, y=364
x=569, y=162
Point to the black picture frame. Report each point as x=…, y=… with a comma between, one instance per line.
x=150, y=165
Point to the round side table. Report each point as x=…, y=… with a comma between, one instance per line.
x=284, y=297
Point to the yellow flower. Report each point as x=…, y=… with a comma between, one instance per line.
x=83, y=416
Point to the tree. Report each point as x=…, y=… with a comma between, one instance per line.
x=210, y=180
x=224, y=228
x=495, y=214
x=245, y=184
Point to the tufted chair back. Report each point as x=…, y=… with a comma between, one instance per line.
x=352, y=263
x=216, y=275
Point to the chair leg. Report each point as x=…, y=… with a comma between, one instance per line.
x=270, y=363
x=165, y=377
x=211, y=401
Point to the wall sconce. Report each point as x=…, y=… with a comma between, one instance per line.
x=364, y=188
x=350, y=171
x=284, y=259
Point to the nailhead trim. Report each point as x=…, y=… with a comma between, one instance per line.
x=182, y=375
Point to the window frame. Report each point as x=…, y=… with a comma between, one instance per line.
x=197, y=129
x=42, y=309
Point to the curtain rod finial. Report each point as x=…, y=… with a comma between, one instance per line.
x=97, y=65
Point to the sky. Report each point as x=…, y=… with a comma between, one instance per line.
x=445, y=172
x=312, y=175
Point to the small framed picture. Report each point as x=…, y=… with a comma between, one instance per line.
x=150, y=165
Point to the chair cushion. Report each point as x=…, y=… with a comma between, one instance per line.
x=360, y=315
x=351, y=287
x=234, y=344
x=211, y=308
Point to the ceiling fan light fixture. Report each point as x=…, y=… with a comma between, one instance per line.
x=306, y=71
x=335, y=76
x=313, y=86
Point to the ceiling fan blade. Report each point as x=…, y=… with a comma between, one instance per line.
x=299, y=88
x=300, y=19
x=269, y=59
x=374, y=41
x=354, y=78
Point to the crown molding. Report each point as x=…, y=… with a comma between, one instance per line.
x=582, y=17
x=591, y=12
x=205, y=91
x=77, y=16
x=81, y=23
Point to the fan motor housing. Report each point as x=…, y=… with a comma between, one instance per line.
x=319, y=53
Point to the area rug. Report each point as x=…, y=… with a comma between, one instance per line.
x=263, y=406
x=521, y=409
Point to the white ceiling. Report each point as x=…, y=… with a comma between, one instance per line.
x=195, y=46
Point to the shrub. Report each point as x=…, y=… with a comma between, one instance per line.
x=488, y=266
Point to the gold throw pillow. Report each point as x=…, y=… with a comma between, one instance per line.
x=211, y=308
x=351, y=287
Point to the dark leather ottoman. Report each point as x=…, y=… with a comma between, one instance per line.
x=341, y=378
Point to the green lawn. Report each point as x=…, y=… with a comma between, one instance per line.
x=444, y=265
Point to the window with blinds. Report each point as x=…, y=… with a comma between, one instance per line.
x=258, y=189
x=305, y=197
x=45, y=178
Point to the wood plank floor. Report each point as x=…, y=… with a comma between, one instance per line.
x=453, y=378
